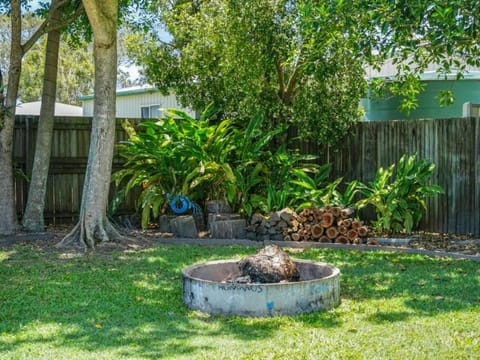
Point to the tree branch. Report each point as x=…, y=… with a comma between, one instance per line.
x=289, y=91
x=280, y=75
x=46, y=26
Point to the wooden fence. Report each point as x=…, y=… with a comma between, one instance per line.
x=71, y=139
x=452, y=144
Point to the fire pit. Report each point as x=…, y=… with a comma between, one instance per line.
x=206, y=288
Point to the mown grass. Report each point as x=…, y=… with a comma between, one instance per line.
x=129, y=305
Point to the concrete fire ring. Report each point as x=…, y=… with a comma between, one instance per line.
x=205, y=289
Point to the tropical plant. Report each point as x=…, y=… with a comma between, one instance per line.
x=398, y=193
x=175, y=155
x=203, y=160
x=279, y=190
x=318, y=191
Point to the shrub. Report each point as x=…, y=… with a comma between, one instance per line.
x=182, y=155
x=398, y=194
x=175, y=155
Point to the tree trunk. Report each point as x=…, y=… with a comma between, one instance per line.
x=8, y=218
x=33, y=219
x=93, y=226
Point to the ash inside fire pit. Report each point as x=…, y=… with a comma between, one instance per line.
x=270, y=265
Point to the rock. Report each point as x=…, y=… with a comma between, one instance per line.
x=229, y=229
x=270, y=265
x=274, y=218
x=282, y=225
x=287, y=215
x=184, y=226
x=251, y=235
x=256, y=219
x=164, y=223
x=277, y=237
x=272, y=231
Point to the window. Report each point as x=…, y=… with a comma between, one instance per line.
x=145, y=112
x=150, y=112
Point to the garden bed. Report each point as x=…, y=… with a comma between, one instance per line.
x=431, y=243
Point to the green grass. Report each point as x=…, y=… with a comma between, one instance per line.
x=129, y=305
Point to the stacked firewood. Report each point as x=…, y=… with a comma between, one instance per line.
x=328, y=224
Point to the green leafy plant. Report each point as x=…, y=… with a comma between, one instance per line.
x=398, y=194
x=262, y=178
x=229, y=159
x=175, y=155
x=18, y=172
x=318, y=191
x=279, y=189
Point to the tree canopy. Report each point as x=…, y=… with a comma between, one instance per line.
x=75, y=73
x=288, y=59
x=417, y=34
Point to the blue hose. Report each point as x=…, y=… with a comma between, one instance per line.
x=180, y=204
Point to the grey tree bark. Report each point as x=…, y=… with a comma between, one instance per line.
x=93, y=226
x=8, y=218
x=33, y=219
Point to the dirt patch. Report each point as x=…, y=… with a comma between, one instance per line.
x=466, y=244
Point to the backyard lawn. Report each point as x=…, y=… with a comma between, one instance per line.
x=128, y=304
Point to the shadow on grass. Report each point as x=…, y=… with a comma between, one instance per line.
x=428, y=285
x=131, y=303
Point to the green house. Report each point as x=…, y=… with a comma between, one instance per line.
x=466, y=90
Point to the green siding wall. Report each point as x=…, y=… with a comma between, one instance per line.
x=429, y=105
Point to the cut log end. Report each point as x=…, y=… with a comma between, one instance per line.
x=346, y=213
x=295, y=237
x=324, y=239
x=317, y=231
x=341, y=240
x=332, y=232
x=362, y=231
x=356, y=224
x=327, y=220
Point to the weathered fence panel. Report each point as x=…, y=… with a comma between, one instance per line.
x=452, y=144
x=70, y=145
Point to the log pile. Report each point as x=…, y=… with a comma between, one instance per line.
x=328, y=224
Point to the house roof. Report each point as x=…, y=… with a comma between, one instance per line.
x=142, y=89
x=435, y=76
x=388, y=70
x=33, y=108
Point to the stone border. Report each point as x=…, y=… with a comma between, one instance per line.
x=9, y=240
x=307, y=245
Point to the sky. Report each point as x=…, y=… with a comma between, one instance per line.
x=131, y=69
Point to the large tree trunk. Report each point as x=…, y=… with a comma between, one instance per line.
x=93, y=226
x=8, y=216
x=33, y=219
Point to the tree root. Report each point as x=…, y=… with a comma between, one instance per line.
x=86, y=236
